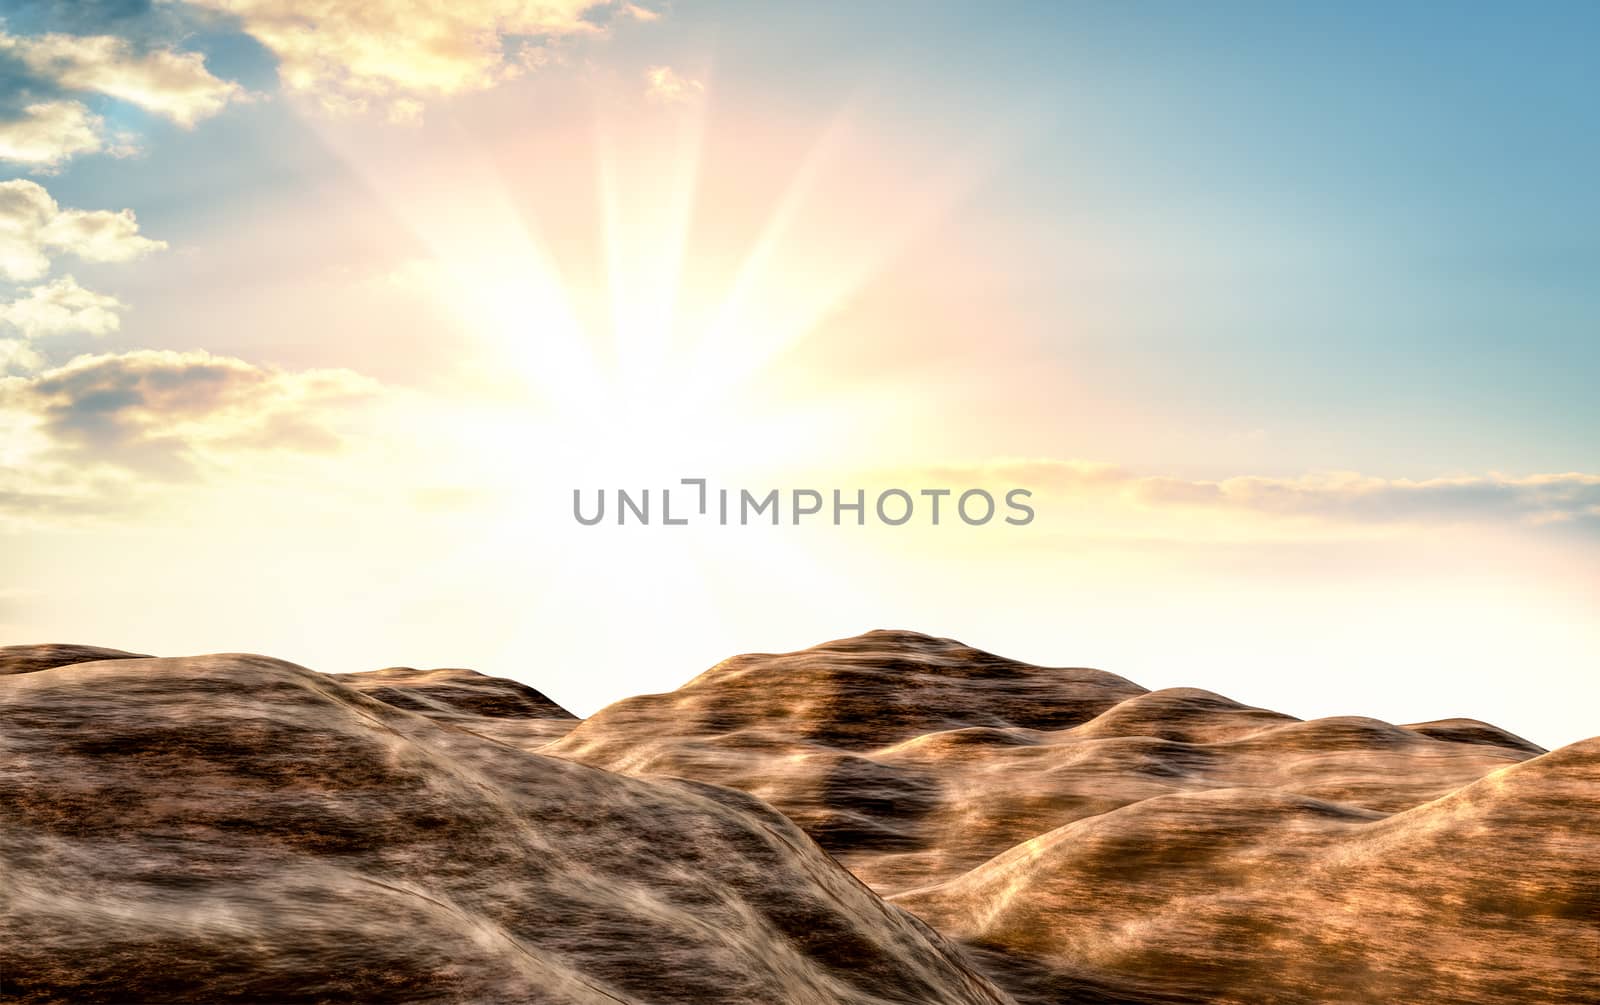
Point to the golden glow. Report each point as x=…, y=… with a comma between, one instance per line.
x=664, y=359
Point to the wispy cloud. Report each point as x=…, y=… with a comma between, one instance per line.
x=350, y=55
x=34, y=230
x=45, y=134
x=17, y=356
x=44, y=122
x=1332, y=497
x=1345, y=495
x=62, y=307
x=163, y=81
x=667, y=86
x=106, y=434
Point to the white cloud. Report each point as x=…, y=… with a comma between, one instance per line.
x=62, y=307
x=47, y=133
x=667, y=86
x=165, y=82
x=350, y=53
x=18, y=357
x=34, y=229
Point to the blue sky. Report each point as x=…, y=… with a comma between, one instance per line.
x=1372, y=226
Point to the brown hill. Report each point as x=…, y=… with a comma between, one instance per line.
x=1490, y=894
x=500, y=709
x=815, y=734
x=235, y=828
x=914, y=759
x=1092, y=841
x=32, y=659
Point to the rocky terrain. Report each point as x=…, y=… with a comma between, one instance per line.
x=1089, y=840
x=236, y=828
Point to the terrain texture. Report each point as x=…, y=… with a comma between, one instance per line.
x=236, y=828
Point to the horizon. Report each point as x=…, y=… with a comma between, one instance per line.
x=901, y=632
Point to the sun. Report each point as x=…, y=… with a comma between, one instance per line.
x=641, y=352
x=625, y=316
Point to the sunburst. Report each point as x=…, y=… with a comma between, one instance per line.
x=658, y=385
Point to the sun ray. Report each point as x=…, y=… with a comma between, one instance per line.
x=751, y=330
x=730, y=326
x=483, y=261
x=644, y=389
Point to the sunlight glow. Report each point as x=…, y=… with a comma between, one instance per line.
x=655, y=371
x=664, y=361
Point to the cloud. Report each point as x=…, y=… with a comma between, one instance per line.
x=351, y=53
x=1541, y=498
x=17, y=356
x=114, y=434
x=162, y=81
x=62, y=307
x=1344, y=498
x=34, y=229
x=347, y=55
x=666, y=86
x=45, y=134
x=163, y=412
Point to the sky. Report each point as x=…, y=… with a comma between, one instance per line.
x=315, y=315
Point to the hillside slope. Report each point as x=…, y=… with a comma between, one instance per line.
x=1490, y=894
x=914, y=759
x=1090, y=841
x=235, y=828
